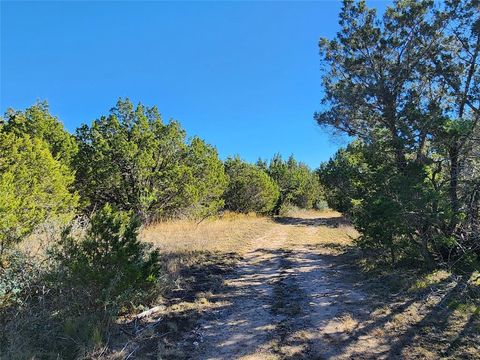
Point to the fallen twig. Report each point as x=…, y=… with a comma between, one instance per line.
x=149, y=312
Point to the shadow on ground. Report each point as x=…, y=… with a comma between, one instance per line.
x=333, y=222
x=307, y=304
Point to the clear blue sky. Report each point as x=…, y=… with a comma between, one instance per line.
x=245, y=76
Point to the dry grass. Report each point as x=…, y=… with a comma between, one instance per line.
x=313, y=214
x=237, y=233
x=35, y=246
x=330, y=231
x=195, y=256
x=45, y=235
x=229, y=233
x=332, y=238
x=430, y=279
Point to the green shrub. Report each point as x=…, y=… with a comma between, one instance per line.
x=64, y=307
x=109, y=260
x=34, y=187
x=250, y=188
x=134, y=161
x=341, y=177
x=320, y=205
x=210, y=179
x=299, y=186
x=37, y=122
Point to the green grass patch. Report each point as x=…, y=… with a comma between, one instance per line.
x=434, y=278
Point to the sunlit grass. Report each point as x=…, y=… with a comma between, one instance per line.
x=228, y=233
x=430, y=279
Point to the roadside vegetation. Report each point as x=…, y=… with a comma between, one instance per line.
x=129, y=217
x=73, y=207
x=406, y=86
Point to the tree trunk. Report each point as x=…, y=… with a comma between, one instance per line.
x=453, y=189
x=390, y=115
x=427, y=256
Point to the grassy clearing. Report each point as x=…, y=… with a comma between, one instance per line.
x=197, y=257
x=229, y=233
x=323, y=229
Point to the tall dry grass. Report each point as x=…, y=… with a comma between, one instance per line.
x=313, y=214
x=228, y=233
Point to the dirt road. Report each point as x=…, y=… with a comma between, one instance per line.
x=289, y=298
x=296, y=293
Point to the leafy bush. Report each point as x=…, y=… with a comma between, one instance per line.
x=108, y=259
x=250, y=188
x=37, y=122
x=398, y=213
x=299, y=186
x=33, y=187
x=134, y=161
x=340, y=175
x=210, y=179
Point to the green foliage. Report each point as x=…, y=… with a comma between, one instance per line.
x=340, y=175
x=17, y=274
x=34, y=187
x=134, y=161
x=250, y=188
x=210, y=180
x=388, y=206
x=298, y=185
x=108, y=259
x=65, y=306
x=37, y=122
x=403, y=85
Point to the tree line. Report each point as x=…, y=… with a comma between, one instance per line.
x=132, y=161
x=406, y=87
x=90, y=192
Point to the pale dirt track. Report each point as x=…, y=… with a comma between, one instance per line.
x=296, y=291
x=288, y=298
